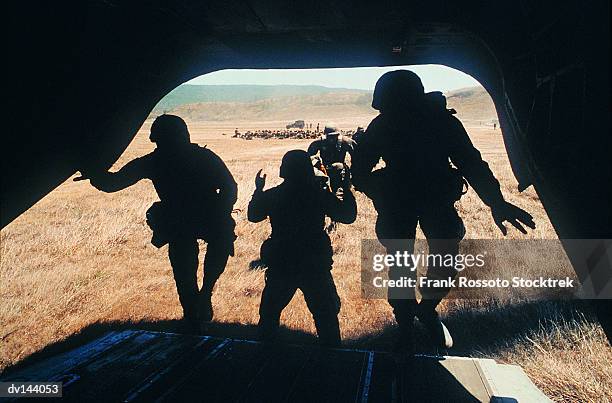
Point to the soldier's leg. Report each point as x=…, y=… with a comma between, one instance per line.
x=324, y=303
x=397, y=232
x=183, y=253
x=220, y=247
x=276, y=295
x=444, y=230
x=404, y=304
x=215, y=261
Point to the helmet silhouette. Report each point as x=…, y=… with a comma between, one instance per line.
x=395, y=87
x=169, y=128
x=296, y=165
x=330, y=129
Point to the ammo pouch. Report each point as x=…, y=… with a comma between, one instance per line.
x=266, y=252
x=157, y=220
x=459, y=185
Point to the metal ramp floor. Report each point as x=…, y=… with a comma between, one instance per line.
x=135, y=365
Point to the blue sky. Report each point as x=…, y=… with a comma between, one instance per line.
x=435, y=77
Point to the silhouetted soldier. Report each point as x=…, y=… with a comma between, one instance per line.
x=333, y=149
x=416, y=136
x=298, y=252
x=197, y=193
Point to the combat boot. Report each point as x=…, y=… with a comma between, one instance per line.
x=205, y=311
x=189, y=324
x=428, y=316
x=404, y=347
x=404, y=311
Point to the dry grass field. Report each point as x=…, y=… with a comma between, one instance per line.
x=80, y=261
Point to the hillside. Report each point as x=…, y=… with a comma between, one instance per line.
x=263, y=103
x=472, y=104
x=330, y=105
x=193, y=94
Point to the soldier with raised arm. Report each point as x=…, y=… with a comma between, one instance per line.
x=197, y=193
x=299, y=252
x=418, y=139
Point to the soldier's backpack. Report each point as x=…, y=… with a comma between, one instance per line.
x=437, y=102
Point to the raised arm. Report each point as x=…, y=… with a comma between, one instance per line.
x=258, y=209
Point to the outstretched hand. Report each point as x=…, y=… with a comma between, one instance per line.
x=260, y=180
x=514, y=215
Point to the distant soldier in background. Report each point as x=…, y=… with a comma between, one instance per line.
x=197, y=194
x=333, y=149
x=299, y=252
x=418, y=138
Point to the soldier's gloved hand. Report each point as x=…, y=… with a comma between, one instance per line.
x=514, y=215
x=260, y=181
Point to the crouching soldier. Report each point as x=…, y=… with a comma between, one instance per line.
x=197, y=194
x=299, y=252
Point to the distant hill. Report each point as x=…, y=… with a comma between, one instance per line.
x=291, y=102
x=330, y=105
x=192, y=94
x=472, y=104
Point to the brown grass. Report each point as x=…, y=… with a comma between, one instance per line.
x=81, y=257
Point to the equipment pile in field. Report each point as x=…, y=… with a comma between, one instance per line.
x=284, y=134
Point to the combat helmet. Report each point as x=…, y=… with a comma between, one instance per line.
x=396, y=88
x=169, y=129
x=296, y=166
x=331, y=130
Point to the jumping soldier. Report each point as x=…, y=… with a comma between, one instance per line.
x=197, y=193
x=299, y=252
x=418, y=138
